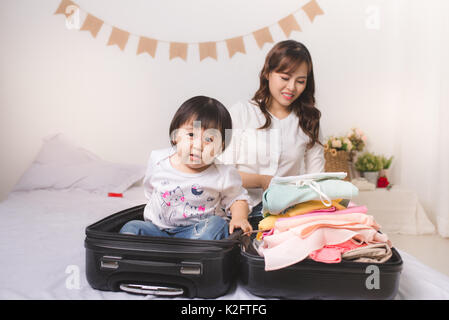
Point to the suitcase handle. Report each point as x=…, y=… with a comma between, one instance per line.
x=154, y=290
x=158, y=267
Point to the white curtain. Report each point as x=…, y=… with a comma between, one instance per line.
x=442, y=174
x=421, y=73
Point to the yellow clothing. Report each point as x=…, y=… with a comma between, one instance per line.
x=301, y=208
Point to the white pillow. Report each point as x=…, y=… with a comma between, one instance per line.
x=60, y=164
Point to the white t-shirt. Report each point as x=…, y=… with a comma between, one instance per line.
x=179, y=199
x=278, y=151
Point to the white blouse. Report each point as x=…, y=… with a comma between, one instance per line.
x=277, y=151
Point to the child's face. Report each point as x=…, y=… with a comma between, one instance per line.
x=196, y=147
x=286, y=88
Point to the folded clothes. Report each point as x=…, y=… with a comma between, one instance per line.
x=270, y=221
x=300, y=208
x=278, y=197
x=371, y=253
x=287, y=248
x=332, y=253
x=305, y=225
x=311, y=205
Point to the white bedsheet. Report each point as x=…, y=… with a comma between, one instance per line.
x=42, y=249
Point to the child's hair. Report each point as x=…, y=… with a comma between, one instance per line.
x=210, y=112
x=287, y=56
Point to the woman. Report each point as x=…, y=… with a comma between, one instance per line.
x=277, y=133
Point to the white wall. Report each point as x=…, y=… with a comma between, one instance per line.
x=119, y=105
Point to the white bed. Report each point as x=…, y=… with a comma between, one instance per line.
x=42, y=249
x=43, y=230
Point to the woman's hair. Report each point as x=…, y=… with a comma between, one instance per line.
x=210, y=112
x=286, y=56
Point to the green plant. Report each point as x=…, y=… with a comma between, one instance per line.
x=386, y=163
x=368, y=162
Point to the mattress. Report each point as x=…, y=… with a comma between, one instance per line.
x=43, y=256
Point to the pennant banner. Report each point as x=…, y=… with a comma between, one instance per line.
x=208, y=49
x=118, y=37
x=235, y=45
x=147, y=45
x=263, y=36
x=289, y=24
x=62, y=9
x=179, y=49
x=312, y=9
x=92, y=24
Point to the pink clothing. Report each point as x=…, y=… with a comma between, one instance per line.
x=329, y=219
x=332, y=253
x=286, y=248
x=294, y=239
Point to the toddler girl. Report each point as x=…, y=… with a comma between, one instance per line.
x=189, y=195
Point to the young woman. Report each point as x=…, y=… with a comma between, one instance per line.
x=277, y=133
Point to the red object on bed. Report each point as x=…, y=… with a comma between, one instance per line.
x=115, y=195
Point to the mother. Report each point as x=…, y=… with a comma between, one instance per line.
x=277, y=133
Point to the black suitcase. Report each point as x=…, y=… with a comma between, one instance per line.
x=309, y=279
x=156, y=265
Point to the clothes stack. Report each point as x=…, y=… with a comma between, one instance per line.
x=311, y=217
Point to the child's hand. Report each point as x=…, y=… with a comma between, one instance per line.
x=241, y=223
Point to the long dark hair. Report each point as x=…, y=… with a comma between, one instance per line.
x=287, y=56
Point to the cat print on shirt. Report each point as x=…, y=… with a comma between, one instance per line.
x=172, y=198
x=193, y=211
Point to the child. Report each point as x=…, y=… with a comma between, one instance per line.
x=283, y=108
x=189, y=195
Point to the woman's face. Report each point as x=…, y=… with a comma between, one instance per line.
x=287, y=87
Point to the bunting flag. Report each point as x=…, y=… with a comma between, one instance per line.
x=118, y=37
x=235, y=45
x=179, y=49
x=312, y=9
x=289, y=24
x=208, y=49
x=62, y=9
x=147, y=45
x=92, y=24
x=263, y=36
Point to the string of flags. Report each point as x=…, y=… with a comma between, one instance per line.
x=148, y=45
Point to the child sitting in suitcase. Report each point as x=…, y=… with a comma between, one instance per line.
x=190, y=195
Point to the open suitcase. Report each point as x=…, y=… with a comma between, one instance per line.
x=154, y=265
x=207, y=269
x=309, y=279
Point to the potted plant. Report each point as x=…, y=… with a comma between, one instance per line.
x=336, y=154
x=386, y=163
x=369, y=165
